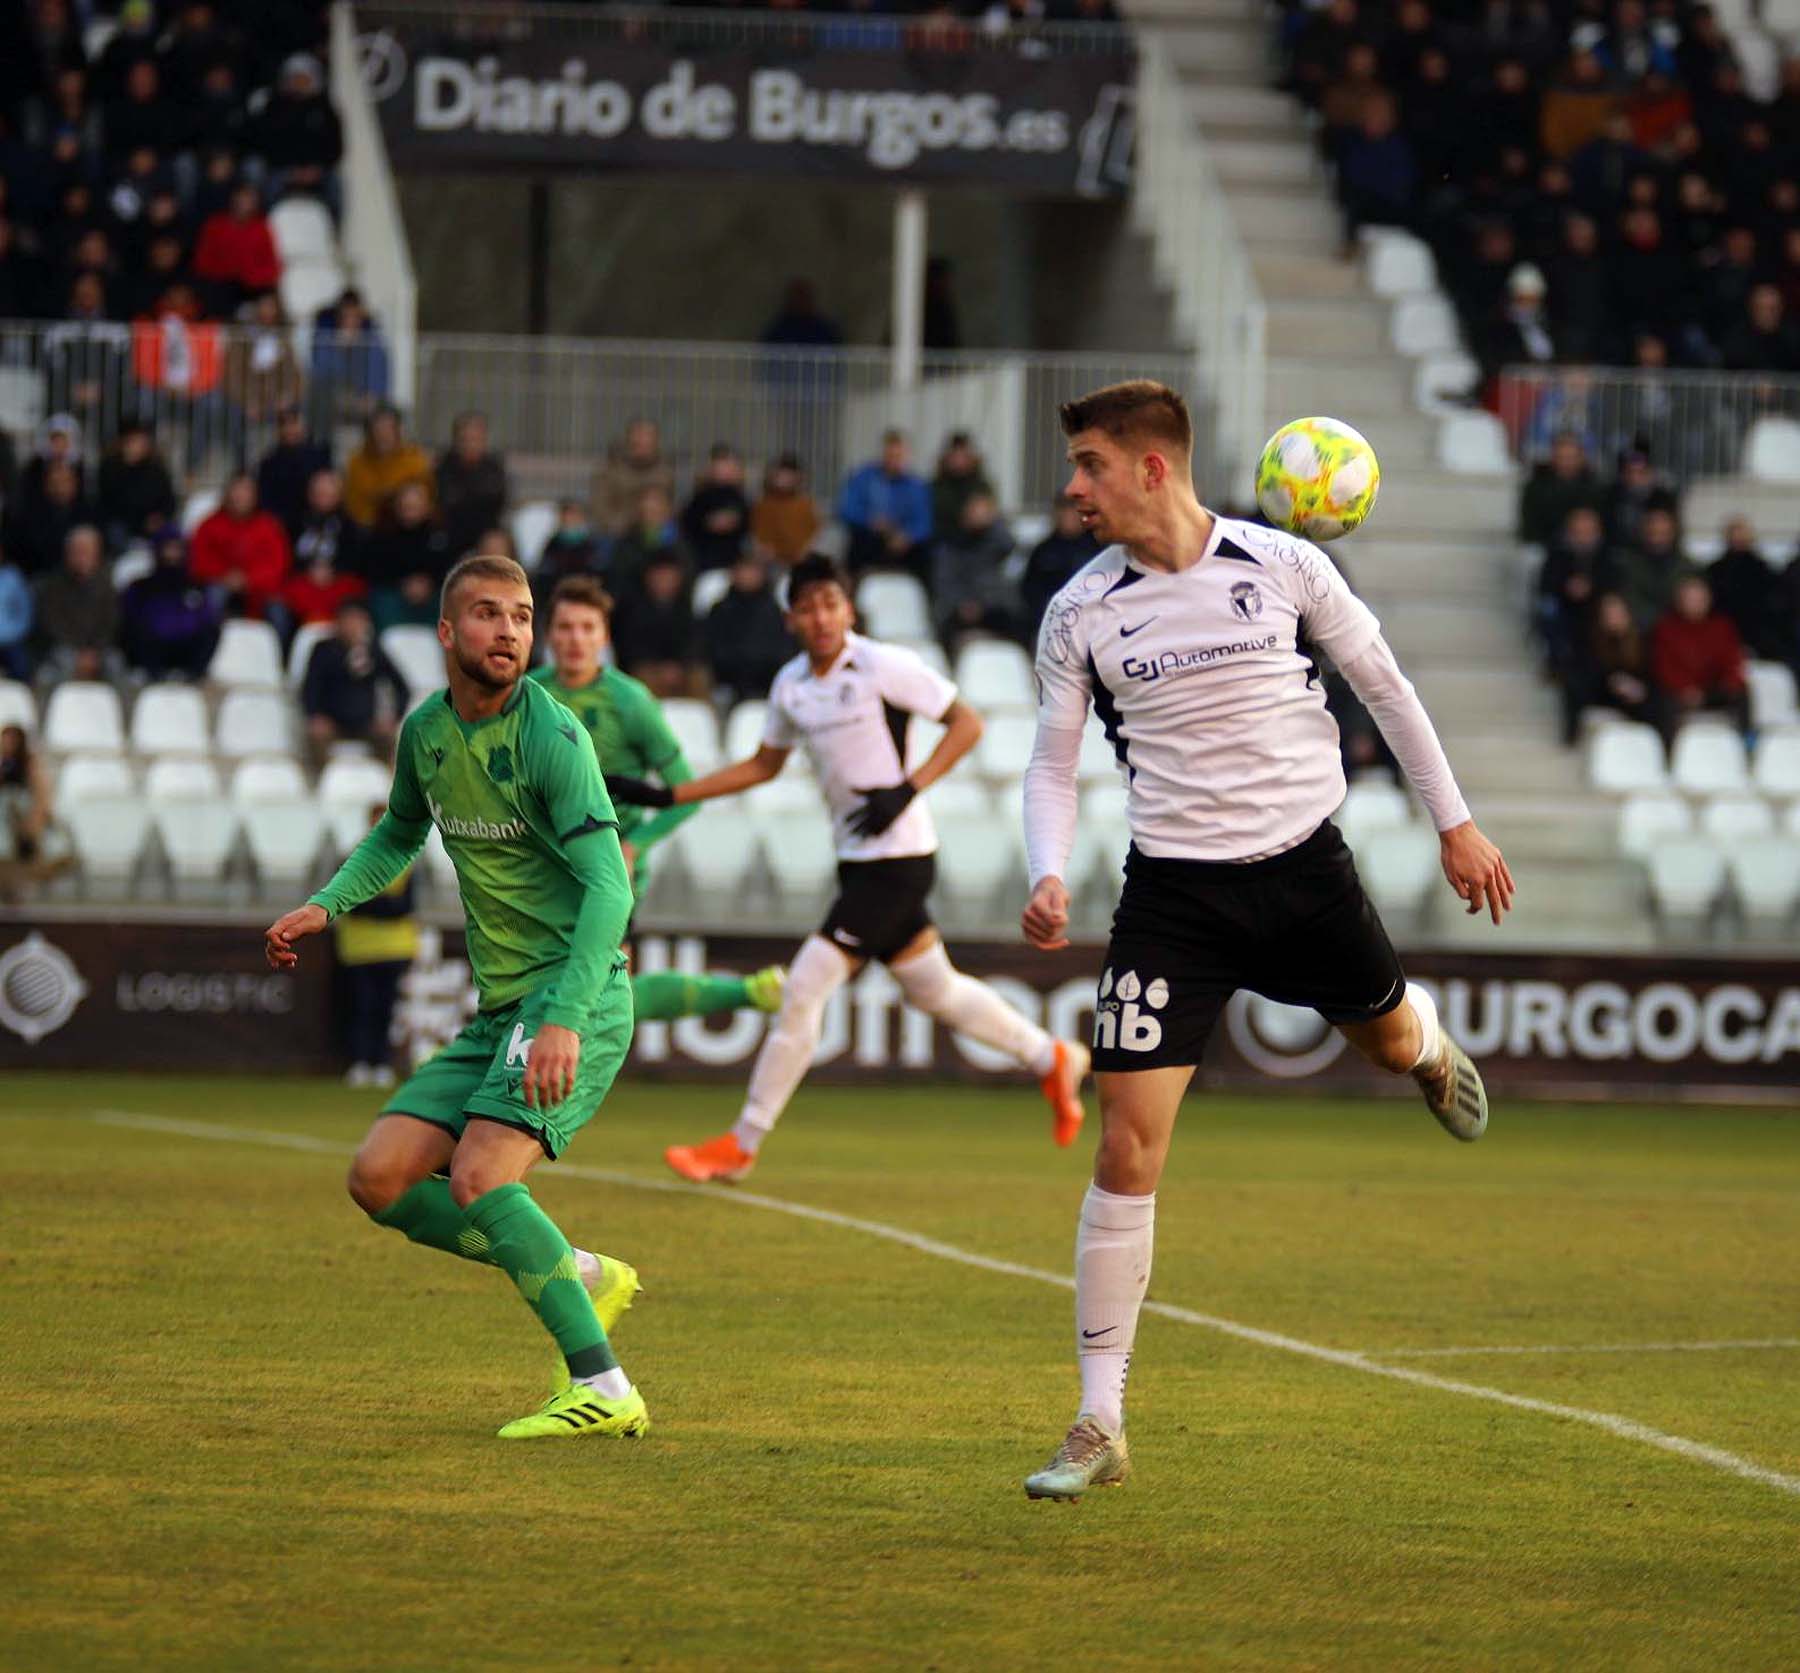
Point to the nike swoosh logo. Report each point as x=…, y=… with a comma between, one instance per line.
x=1089, y=1335
x=1126, y=632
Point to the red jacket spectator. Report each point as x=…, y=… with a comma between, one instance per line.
x=236, y=246
x=242, y=549
x=1697, y=656
x=313, y=594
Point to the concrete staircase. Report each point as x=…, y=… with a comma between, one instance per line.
x=1437, y=561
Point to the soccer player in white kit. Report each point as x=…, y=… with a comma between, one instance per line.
x=849, y=699
x=1188, y=636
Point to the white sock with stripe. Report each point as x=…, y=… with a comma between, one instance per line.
x=1113, y=1247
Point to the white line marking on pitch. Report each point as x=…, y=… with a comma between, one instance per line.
x=1623, y=1428
x=1594, y=1348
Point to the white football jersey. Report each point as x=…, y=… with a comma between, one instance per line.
x=853, y=721
x=1204, y=690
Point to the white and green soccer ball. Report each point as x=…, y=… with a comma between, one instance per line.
x=1317, y=477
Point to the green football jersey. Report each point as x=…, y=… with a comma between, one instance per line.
x=632, y=736
x=524, y=815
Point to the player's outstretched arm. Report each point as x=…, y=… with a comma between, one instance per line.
x=368, y=868
x=1476, y=869
x=727, y=781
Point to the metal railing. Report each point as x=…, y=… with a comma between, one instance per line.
x=555, y=404
x=1693, y=424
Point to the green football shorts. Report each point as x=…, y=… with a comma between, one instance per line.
x=482, y=1071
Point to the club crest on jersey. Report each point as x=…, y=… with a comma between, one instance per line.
x=1246, y=601
x=499, y=764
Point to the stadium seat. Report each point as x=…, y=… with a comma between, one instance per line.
x=1442, y=382
x=961, y=798
x=21, y=399
x=1030, y=529
x=355, y=782
x=1759, y=58
x=744, y=729
x=710, y=585
x=249, y=654
x=1727, y=819
x=718, y=862
x=1790, y=824
x=284, y=838
x=1772, y=695
x=17, y=706
x=696, y=728
x=303, y=231
x=181, y=778
x=1397, y=264
x=922, y=738
x=345, y=827
x=1765, y=875
x=1626, y=757
x=108, y=833
x=532, y=526
x=439, y=868
x=789, y=791
x=415, y=651
x=308, y=286
x=197, y=507
x=306, y=640
x=1772, y=450
x=894, y=607
x=254, y=723
x=1686, y=876
x=1369, y=806
x=131, y=565
x=995, y=675
x=268, y=778
x=1474, y=444
x=1782, y=19
x=1646, y=820
x=929, y=652
x=1423, y=325
x=1005, y=746
x=84, y=715
x=1099, y=763
x=197, y=836
x=1708, y=759
x=1776, y=769
x=169, y=719
x=797, y=846
x=975, y=856
x=1398, y=867
x=84, y=778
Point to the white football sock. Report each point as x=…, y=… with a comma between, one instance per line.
x=817, y=972
x=930, y=981
x=1112, y=1271
x=613, y=1384
x=1430, y=1036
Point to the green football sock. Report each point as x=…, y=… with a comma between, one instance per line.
x=428, y=1214
x=508, y=1230
x=662, y=995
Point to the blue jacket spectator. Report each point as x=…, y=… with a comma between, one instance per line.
x=15, y=621
x=887, y=509
x=349, y=364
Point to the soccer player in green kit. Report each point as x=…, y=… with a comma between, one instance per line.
x=633, y=737
x=511, y=782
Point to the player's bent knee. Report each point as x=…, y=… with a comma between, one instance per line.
x=1126, y=1162
x=375, y=1186
x=469, y=1184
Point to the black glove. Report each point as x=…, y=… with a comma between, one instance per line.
x=639, y=792
x=880, y=809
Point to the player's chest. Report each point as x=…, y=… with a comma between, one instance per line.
x=472, y=777
x=1165, y=641
x=839, y=705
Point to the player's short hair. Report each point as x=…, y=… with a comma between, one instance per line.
x=584, y=590
x=479, y=567
x=1140, y=412
x=815, y=570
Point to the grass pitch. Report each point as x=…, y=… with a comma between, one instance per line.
x=246, y=1430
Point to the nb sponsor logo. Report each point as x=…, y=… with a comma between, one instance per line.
x=1125, y=1015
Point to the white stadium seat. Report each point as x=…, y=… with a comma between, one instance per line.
x=715, y=865
x=17, y=706
x=84, y=715
x=415, y=651
x=532, y=526
x=354, y=781
x=1474, y=444
x=1772, y=697
x=1398, y=867
x=1369, y=806
x=1790, y=826
x=439, y=867
x=929, y=652
x=345, y=826
x=307, y=286
x=922, y=738
x=1005, y=745
x=1708, y=759
x=962, y=798
x=197, y=507
x=253, y=723
x=249, y=654
x=181, y=778
x=21, y=398
x=131, y=565
x=1765, y=874
x=789, y=791
x=283, y=837
x=1442, y=382
x=1397, y=264
x=303, y=230
x=197, y=836
x=108, y=833
x=169, y=720
x=995, y=674
x=744, y=729
x=268, y=778
x=1423, y=325
x=306, y=641
x=1781, y=18
x=1728, y=819
x=1646, y=820
x=85, y=778
x=894, y=607
x=1777, y=765
x=1686, y=875
x=710, y=585
x=1626, y=757
x=798, y=848
x=696, y=729
x=1772, y=450
x=975, y=856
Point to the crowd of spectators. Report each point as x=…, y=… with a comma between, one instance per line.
x=1625, y=620
x=1598, y=182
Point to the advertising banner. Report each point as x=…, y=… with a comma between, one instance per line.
x=552, y=98
x=196, y=997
